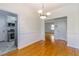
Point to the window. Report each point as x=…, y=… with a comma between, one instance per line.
x=52, y=27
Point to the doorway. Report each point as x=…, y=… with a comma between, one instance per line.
x=8, y=32
x=56, y=29
x=49, y=31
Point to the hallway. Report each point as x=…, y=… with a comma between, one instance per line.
x=46, y=48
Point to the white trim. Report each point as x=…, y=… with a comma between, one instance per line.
x=29, y=44
x=72, y=46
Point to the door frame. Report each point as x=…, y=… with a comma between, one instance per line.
x=15, y=15
x=55, y=19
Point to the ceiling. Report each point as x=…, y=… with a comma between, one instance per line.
x=47, y=6
x=37, y=6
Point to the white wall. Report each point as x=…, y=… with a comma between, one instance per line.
x=72, y=13
x=29, y=28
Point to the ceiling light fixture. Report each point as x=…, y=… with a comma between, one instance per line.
x=42, y=13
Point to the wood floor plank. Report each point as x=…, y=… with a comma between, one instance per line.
x=49, y=47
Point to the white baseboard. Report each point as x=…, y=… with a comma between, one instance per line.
x=29, y=44
x=72, y=46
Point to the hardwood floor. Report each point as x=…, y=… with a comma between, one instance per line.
x=50, y=47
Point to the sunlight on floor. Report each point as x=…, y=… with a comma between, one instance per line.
x=52, y=38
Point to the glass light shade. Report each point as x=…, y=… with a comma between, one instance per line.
x=43, y=17
x=40, y=11
x=48, y=13
x=52, y=27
